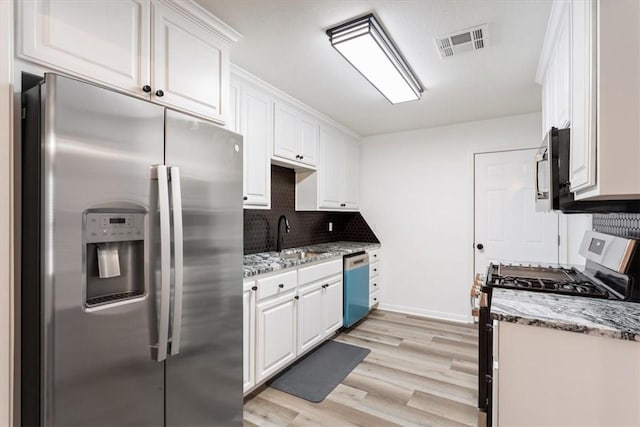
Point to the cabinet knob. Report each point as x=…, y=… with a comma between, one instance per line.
x=281, y=285
x=301, y=157
x=480, y=246
x=146, y=88
x=375, y=284
x=245, y=198
x=296, y=297
x=254, y=288
x=297, y=156
x=343, y=204
x=159, y=93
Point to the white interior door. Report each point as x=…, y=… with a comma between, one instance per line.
x=507, y=226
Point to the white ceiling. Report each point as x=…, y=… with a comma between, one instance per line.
x=284, y=43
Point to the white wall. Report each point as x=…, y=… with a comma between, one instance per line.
x=416, y=192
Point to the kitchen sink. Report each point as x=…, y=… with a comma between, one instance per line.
x=299, y=254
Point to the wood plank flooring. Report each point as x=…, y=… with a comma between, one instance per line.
x=420, y=372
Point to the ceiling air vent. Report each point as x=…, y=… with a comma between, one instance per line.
x=463, y=41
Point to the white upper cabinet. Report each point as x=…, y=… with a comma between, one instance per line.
x=309, y=140
x=583, y=116
x=256, y=126
x=351, y=173
x=605, y=136
x=107, y=42
x=171, y=52
x=335, y=185
x=295, y=135
x=331, y=169
x=191, y=64
x=554, y=70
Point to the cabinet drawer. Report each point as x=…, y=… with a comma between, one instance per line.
x=374, y=255
x=374, y=299
x=317, y=272
x=374, y=284
x=374, y=270
x=278, y=284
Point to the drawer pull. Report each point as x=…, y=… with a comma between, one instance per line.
x=281, y=285
x=254, y=288
x=296, y=297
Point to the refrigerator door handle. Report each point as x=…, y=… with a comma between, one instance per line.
x=165, y=261
x=176, y=199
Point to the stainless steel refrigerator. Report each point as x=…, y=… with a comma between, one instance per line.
x=131, y=262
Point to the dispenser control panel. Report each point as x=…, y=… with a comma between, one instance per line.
x=113, y=227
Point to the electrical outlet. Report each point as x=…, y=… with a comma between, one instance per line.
x=330, y=226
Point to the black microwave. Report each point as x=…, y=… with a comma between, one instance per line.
x=552, y=185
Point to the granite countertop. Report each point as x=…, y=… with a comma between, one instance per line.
x=607, y=318
x=266, y=262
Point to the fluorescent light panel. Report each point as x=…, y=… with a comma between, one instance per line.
x=365, y=45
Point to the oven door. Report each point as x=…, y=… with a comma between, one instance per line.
x=485, y=360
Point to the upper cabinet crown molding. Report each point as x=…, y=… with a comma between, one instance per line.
x=202, y=16
x=278, y=94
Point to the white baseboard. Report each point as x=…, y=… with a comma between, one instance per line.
x=426, y=313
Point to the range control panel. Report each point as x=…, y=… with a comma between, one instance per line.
x=114, y=227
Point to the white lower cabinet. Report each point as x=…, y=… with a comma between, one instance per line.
x=286, y=315
x=374, y=277
x=276, y=334
x=310, y=317
x=333, y=295
x=248, y=335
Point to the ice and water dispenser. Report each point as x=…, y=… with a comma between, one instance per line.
x=114, y=244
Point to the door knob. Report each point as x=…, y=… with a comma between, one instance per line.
x=480, y=246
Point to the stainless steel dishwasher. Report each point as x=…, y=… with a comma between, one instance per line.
x=356, y=288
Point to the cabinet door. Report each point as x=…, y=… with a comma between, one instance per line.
x=351, y=174
x=333, y=307
x=276, y=335
x=309, y=135
x=190, y=64
x=583, y=95
x=286, y=138
x=563, y=72
x=100, y=41
x=310, y=318
x=248, y=339
x=256, y=121
x=330, y=171
x=233, y=116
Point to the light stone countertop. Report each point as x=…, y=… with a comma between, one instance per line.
x=267, y=262
x=592, y=316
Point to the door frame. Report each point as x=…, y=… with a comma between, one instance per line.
x=562, y=222
x=6, y=215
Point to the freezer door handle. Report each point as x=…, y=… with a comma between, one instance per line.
x=176, y=199
x=165, y=261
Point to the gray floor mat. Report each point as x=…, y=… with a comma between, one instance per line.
x=315, y=376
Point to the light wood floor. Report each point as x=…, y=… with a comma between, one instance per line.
x=420, y=372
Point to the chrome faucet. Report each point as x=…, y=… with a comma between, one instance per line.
x=287, y=230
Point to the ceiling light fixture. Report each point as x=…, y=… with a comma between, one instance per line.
x=365, y=45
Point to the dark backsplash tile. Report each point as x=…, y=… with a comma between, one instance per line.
x=307, y=228
x=619, y=224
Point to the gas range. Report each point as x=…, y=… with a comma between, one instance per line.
x=612, y=271
x=550, y=279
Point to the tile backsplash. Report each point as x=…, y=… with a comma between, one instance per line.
x=307, y=228
x=619, y=224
